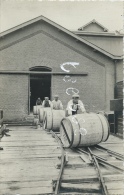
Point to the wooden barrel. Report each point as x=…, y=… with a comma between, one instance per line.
x=36, y=109
x=42, y=113
x=84, y=130
x=53, y=119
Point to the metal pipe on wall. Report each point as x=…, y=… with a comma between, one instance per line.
x=45, y=73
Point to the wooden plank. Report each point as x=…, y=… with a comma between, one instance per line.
x=86, y=178
x=37, y=162
x=25, y=184
x=78, y=173
x=27, y=191
x=83, y=186
x=116, y=192
x=28, y=172
x=75, y=166
x=41, y=156
x=47, y=177
x=30, y=143
x=114, y=185
x=85, y=190
x=80, y=193
x=27, y=155
x=37, y=150
x=113, y=177
x=87, y=174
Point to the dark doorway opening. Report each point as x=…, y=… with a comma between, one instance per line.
x=40, y=86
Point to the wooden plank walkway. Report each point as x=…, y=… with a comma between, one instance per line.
x=114, y=143
x=27, y=163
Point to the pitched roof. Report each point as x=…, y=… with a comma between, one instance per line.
x=93, y=22
x=113, y=45
x=102, y=34
x=63, y=30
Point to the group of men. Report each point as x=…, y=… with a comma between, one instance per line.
x=73, y=105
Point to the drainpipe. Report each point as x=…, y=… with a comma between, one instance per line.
x=115, y=79
x=115, y=76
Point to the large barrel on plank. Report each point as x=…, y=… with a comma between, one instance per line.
x=42, y=113
x=85, y=129
x=53, y=119
x=36, y=109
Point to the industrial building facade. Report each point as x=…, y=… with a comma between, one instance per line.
x=40, y=58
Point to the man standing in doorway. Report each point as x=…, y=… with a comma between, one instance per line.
x=38, y=102
x=56, y=103
x=74, y=105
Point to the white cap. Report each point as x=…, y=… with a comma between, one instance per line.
x=76, y=95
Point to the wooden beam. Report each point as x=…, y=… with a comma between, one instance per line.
x=43, y=73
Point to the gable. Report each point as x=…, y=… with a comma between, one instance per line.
x=46, y=47
x=93, y=27
x=42, y=50
x=41, y=20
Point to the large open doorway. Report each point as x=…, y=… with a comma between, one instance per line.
x=40, y=85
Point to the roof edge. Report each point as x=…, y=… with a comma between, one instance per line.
x=93, y=21
x=62, y=29
x=111, y=34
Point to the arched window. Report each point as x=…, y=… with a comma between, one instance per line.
x=41, y=68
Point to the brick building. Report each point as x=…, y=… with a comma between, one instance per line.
x=32, y=57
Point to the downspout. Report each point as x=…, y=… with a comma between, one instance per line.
x=115, y=75
x=115, y=80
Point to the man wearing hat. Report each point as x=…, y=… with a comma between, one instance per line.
x=74, y=105
x=46, y=102
x=56, y=103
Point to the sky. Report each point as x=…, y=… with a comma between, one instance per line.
x=69, y=14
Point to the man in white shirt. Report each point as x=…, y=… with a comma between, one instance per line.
x=74, y=105
x=46, y=102
x=56, y=103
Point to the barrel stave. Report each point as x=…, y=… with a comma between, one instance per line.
x=36, y=109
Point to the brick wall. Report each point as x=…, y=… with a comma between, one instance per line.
x=51, y=48
x=91, y=90
x=14, y=96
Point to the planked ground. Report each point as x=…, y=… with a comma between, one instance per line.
x=114, y=143
x=27, y=163
x=80, y=176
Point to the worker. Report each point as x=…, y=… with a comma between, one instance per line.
x=38, y=102
x=56, y=103
x=74, y=105
x=46, y=102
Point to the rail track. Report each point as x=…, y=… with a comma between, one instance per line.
x=89, y=170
